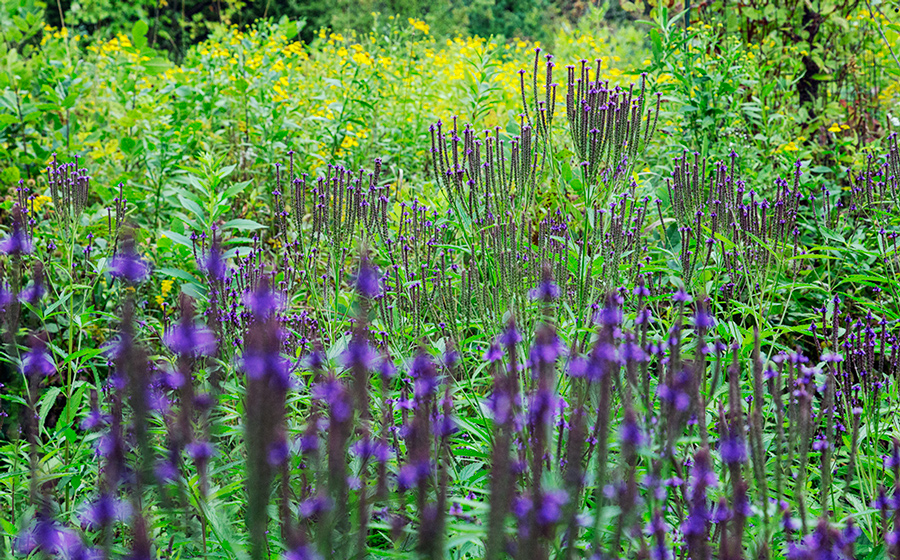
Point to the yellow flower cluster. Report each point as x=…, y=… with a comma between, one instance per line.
x=343, y=91
x=419, y=25
x=164, y=289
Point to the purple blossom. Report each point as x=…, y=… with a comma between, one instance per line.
x=313, y=506
x=510, y=336
x=263, y=302
x=103, y=512
x=94, y=420
x=278, y=452
x=37, y=363
x=386, y=368
x=213, y=263
x=165, y=471
x=18, y=242
x=334, y=394
x=35, y=290
x=411, y=473
x=367, y=448
x=545, y=350
x=368, y=282
x=549, y=510
x=127, y=264
x=200, y=451
x=611, y=314
x=186, y=338
x=630, y=432
x=301, y=552
x=50, y=537
x=733, y=450
x=681, y=296
x=547, y=291
x=494, y=353
x=359, y=354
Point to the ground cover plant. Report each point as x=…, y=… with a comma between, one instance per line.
x=388, y=295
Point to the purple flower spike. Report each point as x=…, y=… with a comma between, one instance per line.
x=386, y=368
x=549, y=510
x=186, y=338
x=263, y=301
x=511, y=336
x=681, y=296
x=37, y=363
x=368, y=282
x=733, y=450
x=358, y=354
x=547, y=291
x=493, y=354
x=18, y=242
x=127, y=264
x=213, y=263
x=200, y=451
x=302, y=552
x=104, y=512
x=35, y=290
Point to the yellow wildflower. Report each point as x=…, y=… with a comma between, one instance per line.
x=166, y=287
x=40, y=201
x=419, y=25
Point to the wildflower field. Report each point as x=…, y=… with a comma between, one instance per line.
x=629, y=290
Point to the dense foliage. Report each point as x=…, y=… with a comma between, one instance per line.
x=377, y=294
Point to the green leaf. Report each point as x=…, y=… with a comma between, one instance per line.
x=156, y=66
x=177, y=273
x=47, y=402
x=242, y=224
x=139, y=33
x=179, y=238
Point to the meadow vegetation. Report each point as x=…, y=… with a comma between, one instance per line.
x=396, y=290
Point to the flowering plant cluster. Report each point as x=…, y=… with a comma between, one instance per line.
x=540, y=352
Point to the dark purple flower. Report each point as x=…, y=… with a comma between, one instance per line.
x=35, y=290
x=103, y=512
x=94, y=420
x=424, y=374
x=334, y=394
x=359, y=354
x=733, y=450
x=494, y=353
x=213, y=263
x=549, y=510
x=611, y=314
x=263, y=301
x=279, y=452
x=681, y=296
x=547, y=291
x=546, y=348
x=630, y=432
x=200, y=451
x=165, y=471
x=703, y=320
x=411, y=473
x=18, y=242
x=186, y=338
x=302, y=552
x=368, y=282
x=658, y=529
x=37, y=363
x=386, y=368
x=127, y=264
x=313, y=506
x=367, y=448
x=51, y=538
x=511, y=336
